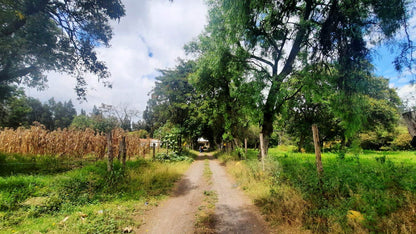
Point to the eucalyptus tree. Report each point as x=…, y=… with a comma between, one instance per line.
x=53, y=35
x=280, y=39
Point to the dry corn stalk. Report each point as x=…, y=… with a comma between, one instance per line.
x=36, y=140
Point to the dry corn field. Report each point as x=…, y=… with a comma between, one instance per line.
x=68, y=142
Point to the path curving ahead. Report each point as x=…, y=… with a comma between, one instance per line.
x=234, y=212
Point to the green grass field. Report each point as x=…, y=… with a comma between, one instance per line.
x=35, y=198
x=358, y=192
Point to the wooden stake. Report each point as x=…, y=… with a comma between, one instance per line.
x=154, y=151
x=262, y=149
x=123, y=150
x=319, y=166
x=245, y=148
x=110, y=151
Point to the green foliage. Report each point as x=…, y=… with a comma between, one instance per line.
x=15, y=111
x=141, y=133
x=15, y=164
x=252, y=61
x=42, y=113
x=173, y=157
x=224, y=157
x=382, y=139
x=63, y=113
x=82, y=122
x=375, y=186
x=20, y=110
x=39, y=36
x=173, y=99
x=32, y=199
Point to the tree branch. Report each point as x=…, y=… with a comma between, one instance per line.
x=262, y=60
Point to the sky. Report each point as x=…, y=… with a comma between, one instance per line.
x=150, y=37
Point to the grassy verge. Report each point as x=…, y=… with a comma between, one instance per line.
x=369, y=192
x=205, y=218
x=86, y=199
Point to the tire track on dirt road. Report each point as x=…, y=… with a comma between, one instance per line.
x=177, y=213
x=234, y=212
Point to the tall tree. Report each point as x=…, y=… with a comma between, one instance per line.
x=40, y=113
x=280, y=38
x=15, y=111
x=63, y=113
x=54, y=35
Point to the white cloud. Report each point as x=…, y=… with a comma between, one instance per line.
x=159, y=27
x=408, y=95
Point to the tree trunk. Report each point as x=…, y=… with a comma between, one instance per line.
x=410, y=119
x=236, y=143
x=317, y=146
x=267, y=130
x=262, y=153
x=110, y=154
x=301, y=141
x=180, y=144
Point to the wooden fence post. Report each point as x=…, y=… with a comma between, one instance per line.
x=319, y=166
x=154, y=151
x=245, y=148
x=110, y=151
x=123, y=150
x=262, y=149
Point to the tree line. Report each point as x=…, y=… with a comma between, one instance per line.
x=20, y=110
x=277, y=68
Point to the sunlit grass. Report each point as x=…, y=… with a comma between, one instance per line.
x=380, y=187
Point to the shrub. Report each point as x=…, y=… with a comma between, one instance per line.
x=172, y=157
x=402, y=142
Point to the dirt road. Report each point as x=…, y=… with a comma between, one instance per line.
x=234, y=213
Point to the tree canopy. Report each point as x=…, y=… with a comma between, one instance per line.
x=281, y=40
x=52, y=35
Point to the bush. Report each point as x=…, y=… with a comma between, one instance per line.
x=172, y=157
x=402, y=142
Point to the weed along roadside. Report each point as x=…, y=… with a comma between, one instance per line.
x=85, y=198
x=369, y=192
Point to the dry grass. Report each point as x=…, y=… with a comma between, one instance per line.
x=403, y=220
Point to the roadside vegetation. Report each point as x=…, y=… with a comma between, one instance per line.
x=361, y=192
x=83, y=198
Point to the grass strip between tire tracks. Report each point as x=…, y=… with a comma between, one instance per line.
x=205, y=216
